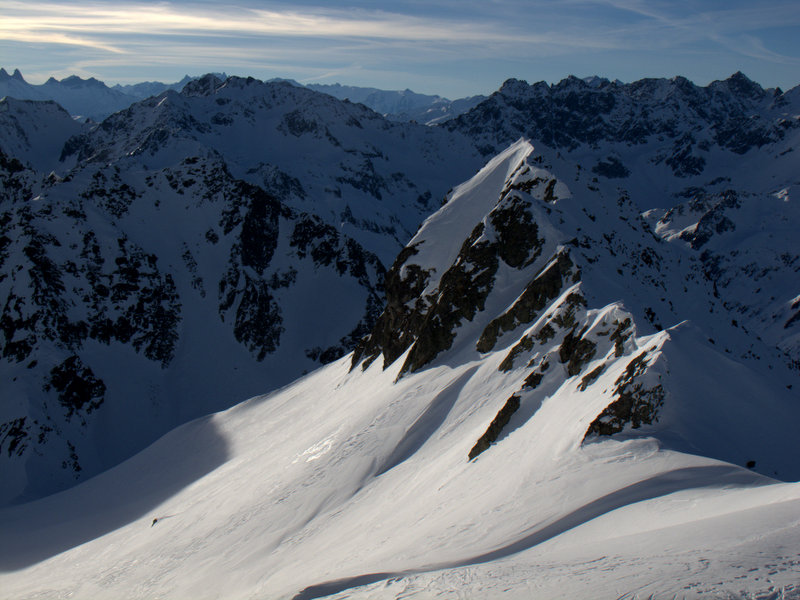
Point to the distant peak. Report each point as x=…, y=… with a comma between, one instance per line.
x=75, y=81
x=739, y=76
x=17, y=75
x=571, y=82
x=741, y=84
x=514, y=86
x=204, y=86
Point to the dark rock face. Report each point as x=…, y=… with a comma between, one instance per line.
x=394, y=329
x=463, y=289
x=636, y=404
x=495, y=427
x=428, y=323
x=611, y=168
x=79, y=270
x=77, y=387
x=544, y=287
x=714, y=219
x=257, y=317
x=576, y=351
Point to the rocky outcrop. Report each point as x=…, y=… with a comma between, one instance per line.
x=736, y=115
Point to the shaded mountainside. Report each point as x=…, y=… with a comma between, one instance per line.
x=173, y=263
x=35, y=131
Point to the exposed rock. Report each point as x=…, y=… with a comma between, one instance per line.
x=636, y=405
x=545, y=286
x=78, y=389
x=496, y=426
x=576, y=351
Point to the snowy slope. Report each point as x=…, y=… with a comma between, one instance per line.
x=35, y=132
x=619, y=459
x=175, y=263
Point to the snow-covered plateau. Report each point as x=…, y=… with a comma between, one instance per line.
x=576, y=376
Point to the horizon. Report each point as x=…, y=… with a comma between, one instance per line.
x=446, y=48
x=10, y=72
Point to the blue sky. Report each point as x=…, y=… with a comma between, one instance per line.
x=452, y=47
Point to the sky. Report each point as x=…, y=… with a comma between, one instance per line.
x=453, y=48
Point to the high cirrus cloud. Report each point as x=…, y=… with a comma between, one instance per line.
x=92, y=24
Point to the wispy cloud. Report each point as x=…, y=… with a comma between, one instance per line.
x=55, y=37
x=31, y=20
x=92, y=24
x=734, y=27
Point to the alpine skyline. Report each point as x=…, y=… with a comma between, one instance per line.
x=448, y=48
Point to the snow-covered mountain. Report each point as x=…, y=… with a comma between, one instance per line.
x=93, y=99
x=660, y=139
x=82, y=98
x=715, y=168
x=190, y=251
x=145, y=89
x=35, y=131
x=557, y=401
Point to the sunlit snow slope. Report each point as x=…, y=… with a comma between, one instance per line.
x=515, y=426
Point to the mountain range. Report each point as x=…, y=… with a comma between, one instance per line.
x=560, y=335
x=92, y=99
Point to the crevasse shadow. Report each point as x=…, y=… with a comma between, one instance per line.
x=32, y=532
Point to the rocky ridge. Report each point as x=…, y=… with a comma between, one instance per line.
x=564, y=288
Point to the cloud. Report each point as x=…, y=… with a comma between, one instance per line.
x=49, y=37
x=93, y=25
x=736, y=26
x=166, y=19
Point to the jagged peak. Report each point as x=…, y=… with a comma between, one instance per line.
x=16, y=75
x=211, y=84
x=595, y=81
x=513, y=86
x=74, y=81
x=468, y=203
x=203, y=86
x=742, y=85
x=572, y=82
